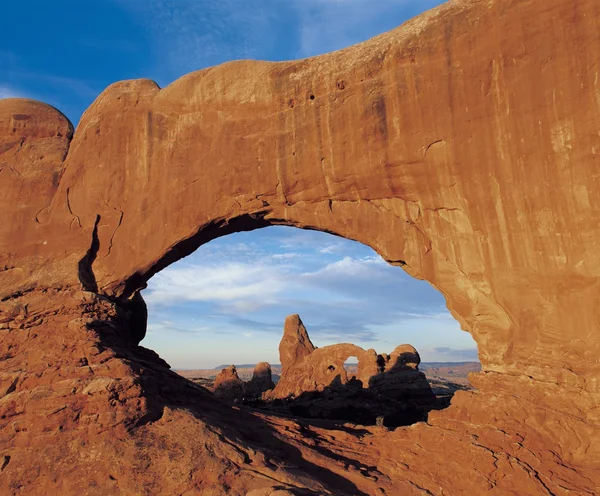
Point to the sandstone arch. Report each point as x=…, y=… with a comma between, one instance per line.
x=462, y=146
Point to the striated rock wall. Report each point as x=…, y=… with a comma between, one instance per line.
x=462, y=146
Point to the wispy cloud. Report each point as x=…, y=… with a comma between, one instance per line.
x=77, y=86
x=189, y=35
x=328, y=25
x=241, y=287
x=252, y=288
x=245, y=285
x=6, y=92
x=167, y=327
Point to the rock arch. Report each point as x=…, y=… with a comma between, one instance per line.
x=461, y=146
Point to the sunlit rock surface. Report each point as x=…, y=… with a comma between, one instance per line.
x=306, y=369
x=462, y=146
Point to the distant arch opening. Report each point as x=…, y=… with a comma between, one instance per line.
x=227, y=302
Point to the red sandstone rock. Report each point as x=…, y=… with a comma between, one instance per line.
x=396, y=376
x=228, y=385
x=462, y=146
x=404, y=356
x=261, y=381
x=318, y=385
x=295, y=343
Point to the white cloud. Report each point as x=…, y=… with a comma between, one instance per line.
x=244, y=284
x=351, y=267
x=351, y=296
x=166, y=327
x=284, y=256
x=331, y=249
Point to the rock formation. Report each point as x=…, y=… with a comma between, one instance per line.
x=295, y=343
x=403, y=357
x=394, y=376
x=400, y=377
x=261, y=381
x=228, y=385
x=383, y=386
x=462, y=146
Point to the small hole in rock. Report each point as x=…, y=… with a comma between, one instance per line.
x=312, y=97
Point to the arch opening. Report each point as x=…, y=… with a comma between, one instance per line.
x=228, y=303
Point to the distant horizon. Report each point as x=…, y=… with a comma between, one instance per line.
x=251, y=365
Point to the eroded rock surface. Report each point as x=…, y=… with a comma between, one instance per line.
x=462, y=146
x=316, y=369
x=317, y=384
x=295, y=343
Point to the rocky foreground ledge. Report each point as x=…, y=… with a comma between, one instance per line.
x=462, y=146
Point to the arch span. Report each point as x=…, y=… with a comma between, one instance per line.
x=462, y=146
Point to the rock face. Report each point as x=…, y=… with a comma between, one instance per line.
x=403, y=357
x=462, y=146
x=295, y=343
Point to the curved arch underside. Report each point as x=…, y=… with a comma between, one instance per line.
x=463, y=146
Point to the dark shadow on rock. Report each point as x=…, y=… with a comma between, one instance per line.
x=398, y=395
x=162, y=388
x=397, y=401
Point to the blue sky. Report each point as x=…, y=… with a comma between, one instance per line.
x=227, y=302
